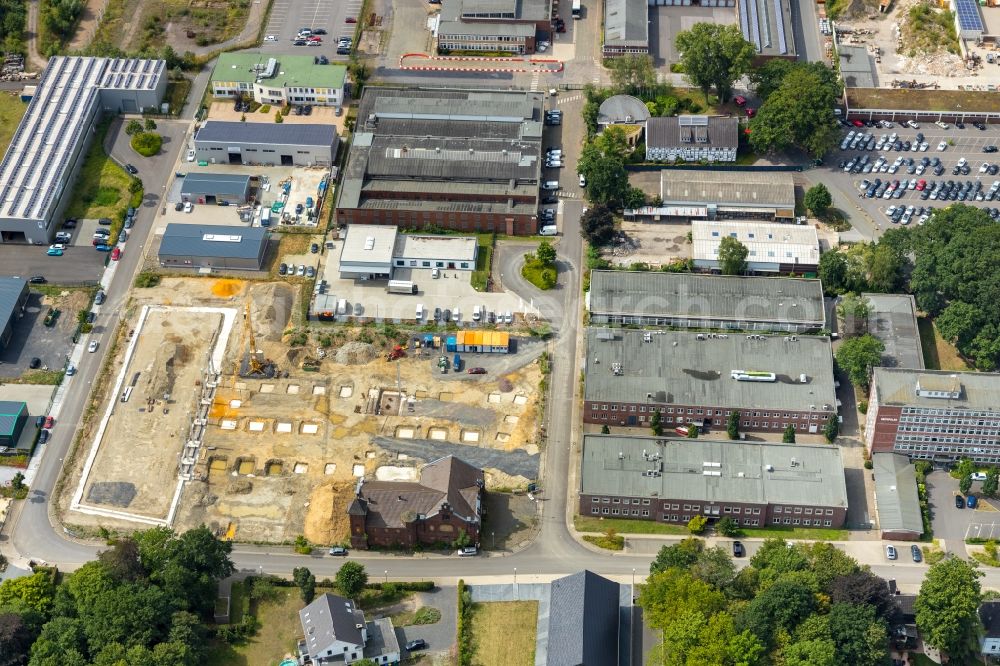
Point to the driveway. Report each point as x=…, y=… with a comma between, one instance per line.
x=949, y=523
x=508, y=258
x=156, y=171
x=440, y=636
x=32, y=339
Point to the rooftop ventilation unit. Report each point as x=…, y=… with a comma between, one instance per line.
x=752, y=376
x=370, y=243
x=616, y=368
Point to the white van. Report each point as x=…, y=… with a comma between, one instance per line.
x=548, y=230
x=420, y=311
x=476, y=313
x=550, y=185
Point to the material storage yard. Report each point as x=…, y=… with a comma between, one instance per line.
x=280, y=454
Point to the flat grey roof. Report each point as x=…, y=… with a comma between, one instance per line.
x=692, y=132
x=857, y=67
x=381, y=639
x=680, y=368
x=368, y=244
x=215, y=183
x=892, y=318
x=746, y=189
x=897, y=386
x=11, y=289
x=766, y=242
x=281, y=134
x=896, y=494
x=698, y=296
x=209, y=240
x=488, y=28
x=418, y=246
x=713, y=471
x=626, y=23
x=767, y=24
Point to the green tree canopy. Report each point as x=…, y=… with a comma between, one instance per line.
x=798, y=113
x=681, y=555
x=833, y=271
x=714, y=56
x=351, y=578
x=732, y=256
x=733, y=425
x=631, y=74
x=598, y=225
x=818, y=199
x=857, y=356
x=788, y=436
x=545, y=252
x=947, y=606
x=854, y=310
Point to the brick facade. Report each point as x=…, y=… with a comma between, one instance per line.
x=635, y=414
x=443, y=527
x=501, y=223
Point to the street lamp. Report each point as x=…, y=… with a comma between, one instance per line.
x=386, y=576
x=515, y=575
x=494, y=535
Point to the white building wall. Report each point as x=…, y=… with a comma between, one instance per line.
x=692, y=153
x=449, y=264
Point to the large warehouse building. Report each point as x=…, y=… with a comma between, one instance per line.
x=767, y=24
x=698, y=378
x=269, y=144
x=935, y=415
x=13, y=298
x=756, y=484
x=462, y=160
x=694, y=194
x=50, y=144
x=771, y=248
x=284, y=79
x=508, y=26
x=213, y=247
x=686, y=300
x=374, y=252
x=626, y=28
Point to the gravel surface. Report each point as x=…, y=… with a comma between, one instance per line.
x=115, y=493
x=515, y=463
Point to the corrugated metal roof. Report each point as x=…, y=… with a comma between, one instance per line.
x=9, y=413
x=770, y=243
x=626, y=23
x=799, y=474
x=215, y=183
x=892, y=319
x=688, y=295
x=620, y=109
x=11, y=289
x=208, y=240
x=896, y=496
x=761, y=189
x=280, y=134
x=681, y=368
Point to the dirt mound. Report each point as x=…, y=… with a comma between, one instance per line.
x=858, y=8
x=355, y=353
x=326, y=518
x=272, y=309
x=239, y=487
x=226, y=288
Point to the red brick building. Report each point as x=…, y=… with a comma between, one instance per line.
x=935, y=415
x=670, y=480
x=445, y=501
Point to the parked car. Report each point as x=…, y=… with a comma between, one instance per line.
x=978, y=476
x=49, y=422
x=890, y=552
x=738, y=550
x=416, y=644
x=477, y=371
x=282, y=269
x=54, y=252
x=69, y=224
x=338, y=551
x=971, y=502
x=116, y=254
x=131, y=169
x=43, y=436
x=467, y=551
x=37, y=279
x=188, y=206
x=92, y=347
x=959, y=502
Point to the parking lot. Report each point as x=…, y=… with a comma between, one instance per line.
x=967, y=143
x=289, y=16
x=666, y=22
x=32, y=339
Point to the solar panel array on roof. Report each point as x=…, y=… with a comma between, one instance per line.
x=969, y=18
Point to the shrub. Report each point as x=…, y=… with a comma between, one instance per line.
x=146, y=144
x=863, y=406
x=146, y=279
x=697, y=524
x=464, y=625
x=266, y=108
x=869, y=464
x=411, y=586
x=302, y=546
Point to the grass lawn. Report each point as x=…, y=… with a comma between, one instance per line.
x=484, y=258
x=102, y=188
x=624, y=526
x=422, y=615
x=939, y=354
x=11, y=112
x=921, y=659
x=541, y=275
x=279, y=631
x=503, y=633
x=177, y=93
x=812, y=533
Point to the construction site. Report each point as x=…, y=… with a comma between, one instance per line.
x=241, y=420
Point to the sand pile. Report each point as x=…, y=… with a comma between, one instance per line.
x=355, y=353
x=272, y=309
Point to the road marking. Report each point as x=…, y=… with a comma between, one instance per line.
x=534, y=80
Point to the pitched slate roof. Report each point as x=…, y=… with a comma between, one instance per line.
x=331, y=618
x=583, y=621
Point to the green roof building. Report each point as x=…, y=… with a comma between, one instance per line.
x=282, y=79
x=13, y=416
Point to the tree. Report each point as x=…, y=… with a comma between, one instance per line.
x=864, y=587
x=947, y=606
x=833, y=270
x=133, y=127
x=854, y=311
x=351, y=578
x=681, y=555
x=631, y=74
x=306, y=581
x=545, y=252
x=697, y=524
x=149, y=125
x=991, y=483
x=815, y=652
x=146, y=144
x=715, y=567
x=598, y=225
x=818, y=200
x=965, y=467
x=655, y=424
x=17, y=482
x=780, y=606
x=122, y=560
x=692, y=431
x=278, y=118
x=857, y=356
x=607, y=181
x=959, y=323
x=714, y=56
x=732, y=256
x=15, y=639
x=727, y=527
x=60, y=643
x=885, y=269
x=613, y=141
x=669, y=592
x=733, y=425
x=776, y=557
x=965, y=485
x=605, y=430
x=768, y=77
x=788, y=437
x=831, y=429
x=135, y=186
x=35, y=591
x=799, y=113
x=859, y=634
x=188, y=567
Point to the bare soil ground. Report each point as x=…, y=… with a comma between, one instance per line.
x=656, y=244
x=136, y=465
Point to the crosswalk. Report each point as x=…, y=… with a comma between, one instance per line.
x=567, y=100
x=567, y=195
x=535, y=76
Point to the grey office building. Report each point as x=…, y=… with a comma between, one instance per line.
x=213, y=247
x=13, y=298
x=51, y=141
x=287, y=144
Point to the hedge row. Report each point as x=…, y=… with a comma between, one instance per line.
x=464, y=625
x=405, y=586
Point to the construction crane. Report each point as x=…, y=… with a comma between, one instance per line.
x=254, y=365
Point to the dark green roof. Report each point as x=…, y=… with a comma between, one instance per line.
x=10, y=411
